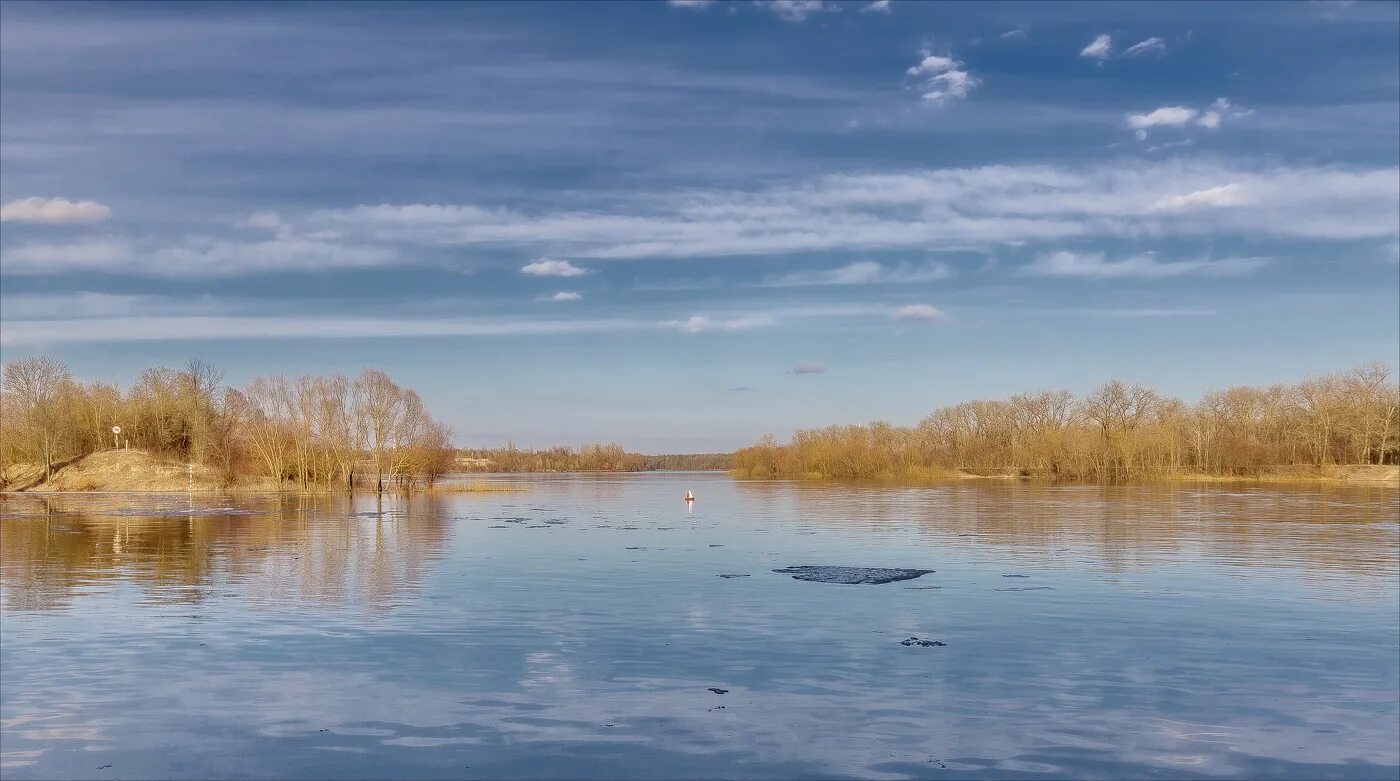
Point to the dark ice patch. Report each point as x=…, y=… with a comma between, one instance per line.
x=1025, y=588
x=718, y=690
x=851, y=575
x=923, y=643
x=1015, y=576
x=729, y=575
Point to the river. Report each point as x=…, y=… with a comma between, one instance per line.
x=581, y=626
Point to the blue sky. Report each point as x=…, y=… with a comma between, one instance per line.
x=682, y=225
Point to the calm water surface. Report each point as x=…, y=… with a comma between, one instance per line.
x=573, y=629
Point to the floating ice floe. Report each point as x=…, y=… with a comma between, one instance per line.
x=851, y=575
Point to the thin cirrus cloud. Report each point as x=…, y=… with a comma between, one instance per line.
x=53, y=211
x=701, y=324
x=548, y=267
x=942, y=78
x=917, y=312
x=1101, y=48
x=1225, y=195
x=877, y=7
x=938, y=209
x=563, y=295
x=1150, y=47
x=196, y=256
x=863, y=272
x=1095, y=265
x=912, y=210
x=253, y=328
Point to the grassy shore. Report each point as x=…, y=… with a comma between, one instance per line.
x=137, y=471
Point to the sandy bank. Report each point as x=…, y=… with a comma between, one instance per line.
x=126, y=470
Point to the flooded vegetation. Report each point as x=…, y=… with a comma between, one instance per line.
x=599, y=626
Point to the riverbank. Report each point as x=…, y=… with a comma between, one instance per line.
x=1337, y=474
x=138, y=471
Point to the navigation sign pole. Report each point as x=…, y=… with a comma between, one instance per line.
x=116, y=431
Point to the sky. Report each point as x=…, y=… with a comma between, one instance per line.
x=682, y=225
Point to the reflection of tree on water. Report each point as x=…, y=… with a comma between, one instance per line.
x=1322, y=531
x=360, y=551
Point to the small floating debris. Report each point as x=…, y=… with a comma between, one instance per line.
x=923, y=643
x=498, y=526
x=717, y=690
x=716, y=545
x=922, y=588
x=851, y=575
x=1026, y=588
x=634, y=548
x=1015, y=576
x=732, y=575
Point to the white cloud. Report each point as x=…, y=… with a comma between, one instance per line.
x=1218, y=110
x=863, y=272
x=1019, y=34
x=941, y=78
x=93, y=255
x=1166, y=116
x=700, y=324
x=921, y=210
x=689, y=3
x=269, y=221
x=878, y=7
x=1213, y=197
x=932, y=63
x=917, y=312
x=1101, y=48
x=1094, y=265
x=1181, y=116
x=53, y=211
x=1154, y=46
x=547, y=267
x=809, y=368
x=563, y=295
x=797, y=10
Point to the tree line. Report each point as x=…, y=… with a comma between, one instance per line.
x=310, y=431
x=597, y=457
x=1119, y=431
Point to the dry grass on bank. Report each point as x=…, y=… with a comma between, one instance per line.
x=130, y=470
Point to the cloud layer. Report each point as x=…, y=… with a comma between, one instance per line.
x=53, y=211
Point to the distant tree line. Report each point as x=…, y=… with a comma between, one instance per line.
x=311, y=431
x=596, y=457
x=1118, y=432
